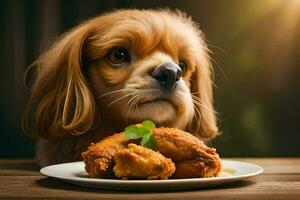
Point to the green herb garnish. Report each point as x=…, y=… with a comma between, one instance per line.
x=144, y=132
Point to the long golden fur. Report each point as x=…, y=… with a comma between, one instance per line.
x=78, y=97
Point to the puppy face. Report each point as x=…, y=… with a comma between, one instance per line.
x=130, y=49
x=130, y=65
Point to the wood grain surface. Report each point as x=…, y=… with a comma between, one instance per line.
x=20, y=179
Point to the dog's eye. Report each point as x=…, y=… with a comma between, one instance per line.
x=182, y=66
x=118, y=56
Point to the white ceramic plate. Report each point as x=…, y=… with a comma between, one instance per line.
x=74, y=173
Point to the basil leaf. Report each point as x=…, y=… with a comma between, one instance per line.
x=131, y=132
x=152, y=142
x=148, y=124
x=142, y=131
x=145, y=139
x=149, y=141
x=134, y=132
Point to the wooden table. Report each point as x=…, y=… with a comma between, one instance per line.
x=20, y=178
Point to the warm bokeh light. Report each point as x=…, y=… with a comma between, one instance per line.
x=281, y=39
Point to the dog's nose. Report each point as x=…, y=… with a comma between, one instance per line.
x=167, y=74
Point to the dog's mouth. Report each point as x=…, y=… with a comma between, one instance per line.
x=157, y=101
x=153, y=101
x=159, y=110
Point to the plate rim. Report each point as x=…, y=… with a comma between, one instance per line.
x=260, y=170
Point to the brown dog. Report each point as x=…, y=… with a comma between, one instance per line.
x=116, y=69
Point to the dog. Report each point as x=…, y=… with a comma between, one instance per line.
x=118, y=69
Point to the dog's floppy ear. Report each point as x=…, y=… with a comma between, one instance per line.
x=205, y=125
x=61, y=101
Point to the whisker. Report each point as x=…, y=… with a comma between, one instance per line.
x=200, y=104
x=112, y=92
x=132, y=104
x=129, y=109
x=197, y=112
x=118, y=99
x=135, y=102
x=198, y=120
x=214, y=61
x=130, y=101
x=219, y=48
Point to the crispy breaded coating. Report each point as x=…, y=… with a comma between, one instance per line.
x=137, y=162
x=99, y=159
x=193, y=159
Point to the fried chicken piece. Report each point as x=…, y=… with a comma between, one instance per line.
x=137, y=162
x=99, y=159
x=192, y=158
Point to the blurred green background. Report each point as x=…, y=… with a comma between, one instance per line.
x=255, y=47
